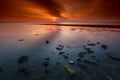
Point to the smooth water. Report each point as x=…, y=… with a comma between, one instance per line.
x=72, y=38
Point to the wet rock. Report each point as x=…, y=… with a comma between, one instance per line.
x=65, y=56
x=45, y=63
x=89, y=50
x=82, y=54
x=46, y=71
x=91, y=44
x=24, y=70
x=47, y=58
x=113, y=57
x=47, y=42
x=104, y=46
x=57, y=63
x=78, y=60
x=93, y=56
x=98, y=42
x=71, y=62
x=60, y=53
x=90, y=61
x=22, y=59
x=1, y=69
x=60, y=47
x=70, y=70
x=21, y=39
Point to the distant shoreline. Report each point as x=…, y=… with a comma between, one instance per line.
x=87, y=25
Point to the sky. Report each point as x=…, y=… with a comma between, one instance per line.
x=59, y=9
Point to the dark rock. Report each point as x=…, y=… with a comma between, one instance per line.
x=21, y=39
x=24, y=70
x=47, y=42
x=60, y=47
x=93, y=56
x=47, y=58
x=78, y=60
x=45, y=63
x=65, y=56
x=98, y=42
x=104, y=46
x=82, y=54
x=60, y=53
x=22, y=59
x=1, y=69
x=90, y=62
x=46, y=71
x=89, y=50
x=91, y=44
x=57, y=63
x=113, y=57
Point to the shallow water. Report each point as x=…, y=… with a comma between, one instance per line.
x=73, y=38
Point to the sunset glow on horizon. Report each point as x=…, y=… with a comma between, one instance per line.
x=63, y=9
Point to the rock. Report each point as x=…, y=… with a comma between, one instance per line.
x=71, y=62
x=60, y=47
x=82, y=54
x=98, y=42
x=113, y=57
x=47, y=58
x=60, y=53
x=45, y=63
x=90, y=62
x=104, y=46
x=91, y=44
x=22, y=59
x=70, y=71
x=57, y=63
x=24, y=70
x=46, y=71
x=78, y=60
x=89, y=50
x=1, y=69
x=47, y=42
x=21, y=39
x=65, y=56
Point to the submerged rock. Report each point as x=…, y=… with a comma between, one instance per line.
x=89, y=50
x=22, y=59
x=70, y=71
x=57, y=63
x=113, y=57
x=45, y=63
x=71, y=62
x=21, y=39
x=60, y=53
x=47, y=58
x=1, y=69
x=98, y=42
x=65, y=56
x=47, y=42
x=60, y=47
x=91, y=44
x=46, y=71
x=82, y=54
x=24, y=70
x=78, y=60
x=104, y=46
x=90, y=61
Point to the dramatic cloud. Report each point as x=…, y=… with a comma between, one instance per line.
x=48, y=9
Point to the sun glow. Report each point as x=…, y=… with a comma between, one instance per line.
x=54, y=19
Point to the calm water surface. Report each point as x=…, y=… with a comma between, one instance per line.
x=72, y=38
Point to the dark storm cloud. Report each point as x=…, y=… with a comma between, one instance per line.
x=52, y=6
